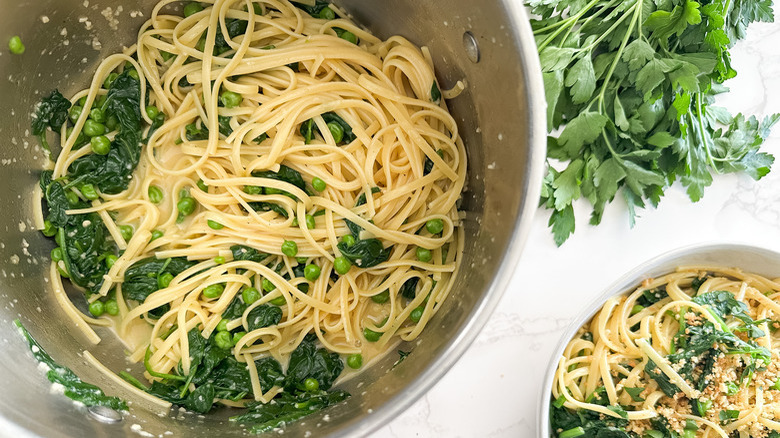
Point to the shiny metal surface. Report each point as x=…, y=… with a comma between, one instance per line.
x=749, y=258
x=501, y=118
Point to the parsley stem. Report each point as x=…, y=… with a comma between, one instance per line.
x=635, y=16
x=702, y=132
x=571, y=21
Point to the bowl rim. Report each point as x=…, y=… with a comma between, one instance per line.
x=521, y=33
x=620, y=287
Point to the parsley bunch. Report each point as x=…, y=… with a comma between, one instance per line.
x=630, y=87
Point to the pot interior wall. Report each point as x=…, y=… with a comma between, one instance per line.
x=65, y=41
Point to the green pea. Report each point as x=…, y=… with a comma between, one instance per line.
x=253, y=190
x=342, y=265
x=155, y=194
x=166, y=56
x=349, y=36
x=156, y=234
x=56, y=254
x=237, y=337
x=15, y=45
x=110, y=260
x=250, y=295
x=75, y=112
x=301, y=260
x=126, y=231
x=223, y=340
x=434, y=226
x=370, y=335
x=93, y=128
x=213, y=291
x=336, y=131
x=82, y=101
x=133, y=73
x=310, y=222
x=278, y=301
x=268, y=285
x=112, y=123
x=381, y=298
x=355, y=361
x=89, y=192
x=112, y=308
x=202, y=186
x=97, y=115
x=311, y=384
x=49, y=230
x=416, y=314
x=219, y=260
x=100, y=101
x=636, y=309
x=110, y=80
x=311, y=272
x=327, y=13
x=424, y=255
x=152, y=112
x=101, y=145
x=289, y=248
x=186, y=205
x=164, y=280
x=214, y=225
x=318, y=184
x=192, y=8
x=96, y=308
x=348, y=240
x=73, y=198
x=230, y=99
x=295, y=222
x=222, y=326
x=273, y=191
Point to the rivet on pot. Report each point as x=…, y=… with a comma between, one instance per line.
x=104, y=414
x=471, y=47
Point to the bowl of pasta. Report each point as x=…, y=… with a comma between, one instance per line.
x=241, y=217
x=684, y=345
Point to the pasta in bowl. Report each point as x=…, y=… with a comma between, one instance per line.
x=690, y=350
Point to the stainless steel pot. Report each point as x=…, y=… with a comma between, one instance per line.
x=501, y=117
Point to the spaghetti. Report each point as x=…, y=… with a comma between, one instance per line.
x=298, y=176
x=691, y=354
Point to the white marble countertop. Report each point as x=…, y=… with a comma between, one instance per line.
x=550, y=285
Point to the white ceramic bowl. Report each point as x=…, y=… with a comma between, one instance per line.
x=749, y=258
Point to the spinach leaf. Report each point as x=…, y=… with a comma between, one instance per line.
x=365, y=253
x=224, y=125
x=308, y=361
x=652, y=296
x=286, y=174
x=409, y=288
x=263, y=316
x=314, y=11
x=141, y=279
x=111, y=173
x=435, y=93
x=75, y=388
x=592, y=424
x=235, y=309
x=308, y=128
x=241, y=252
x=51, y=113
x=287, y=408
x=354, y=228
x=84, y=247
x=234, y=28
x=669, y=388
x=56, y=200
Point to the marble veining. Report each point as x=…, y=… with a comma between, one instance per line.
x=493, y=391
